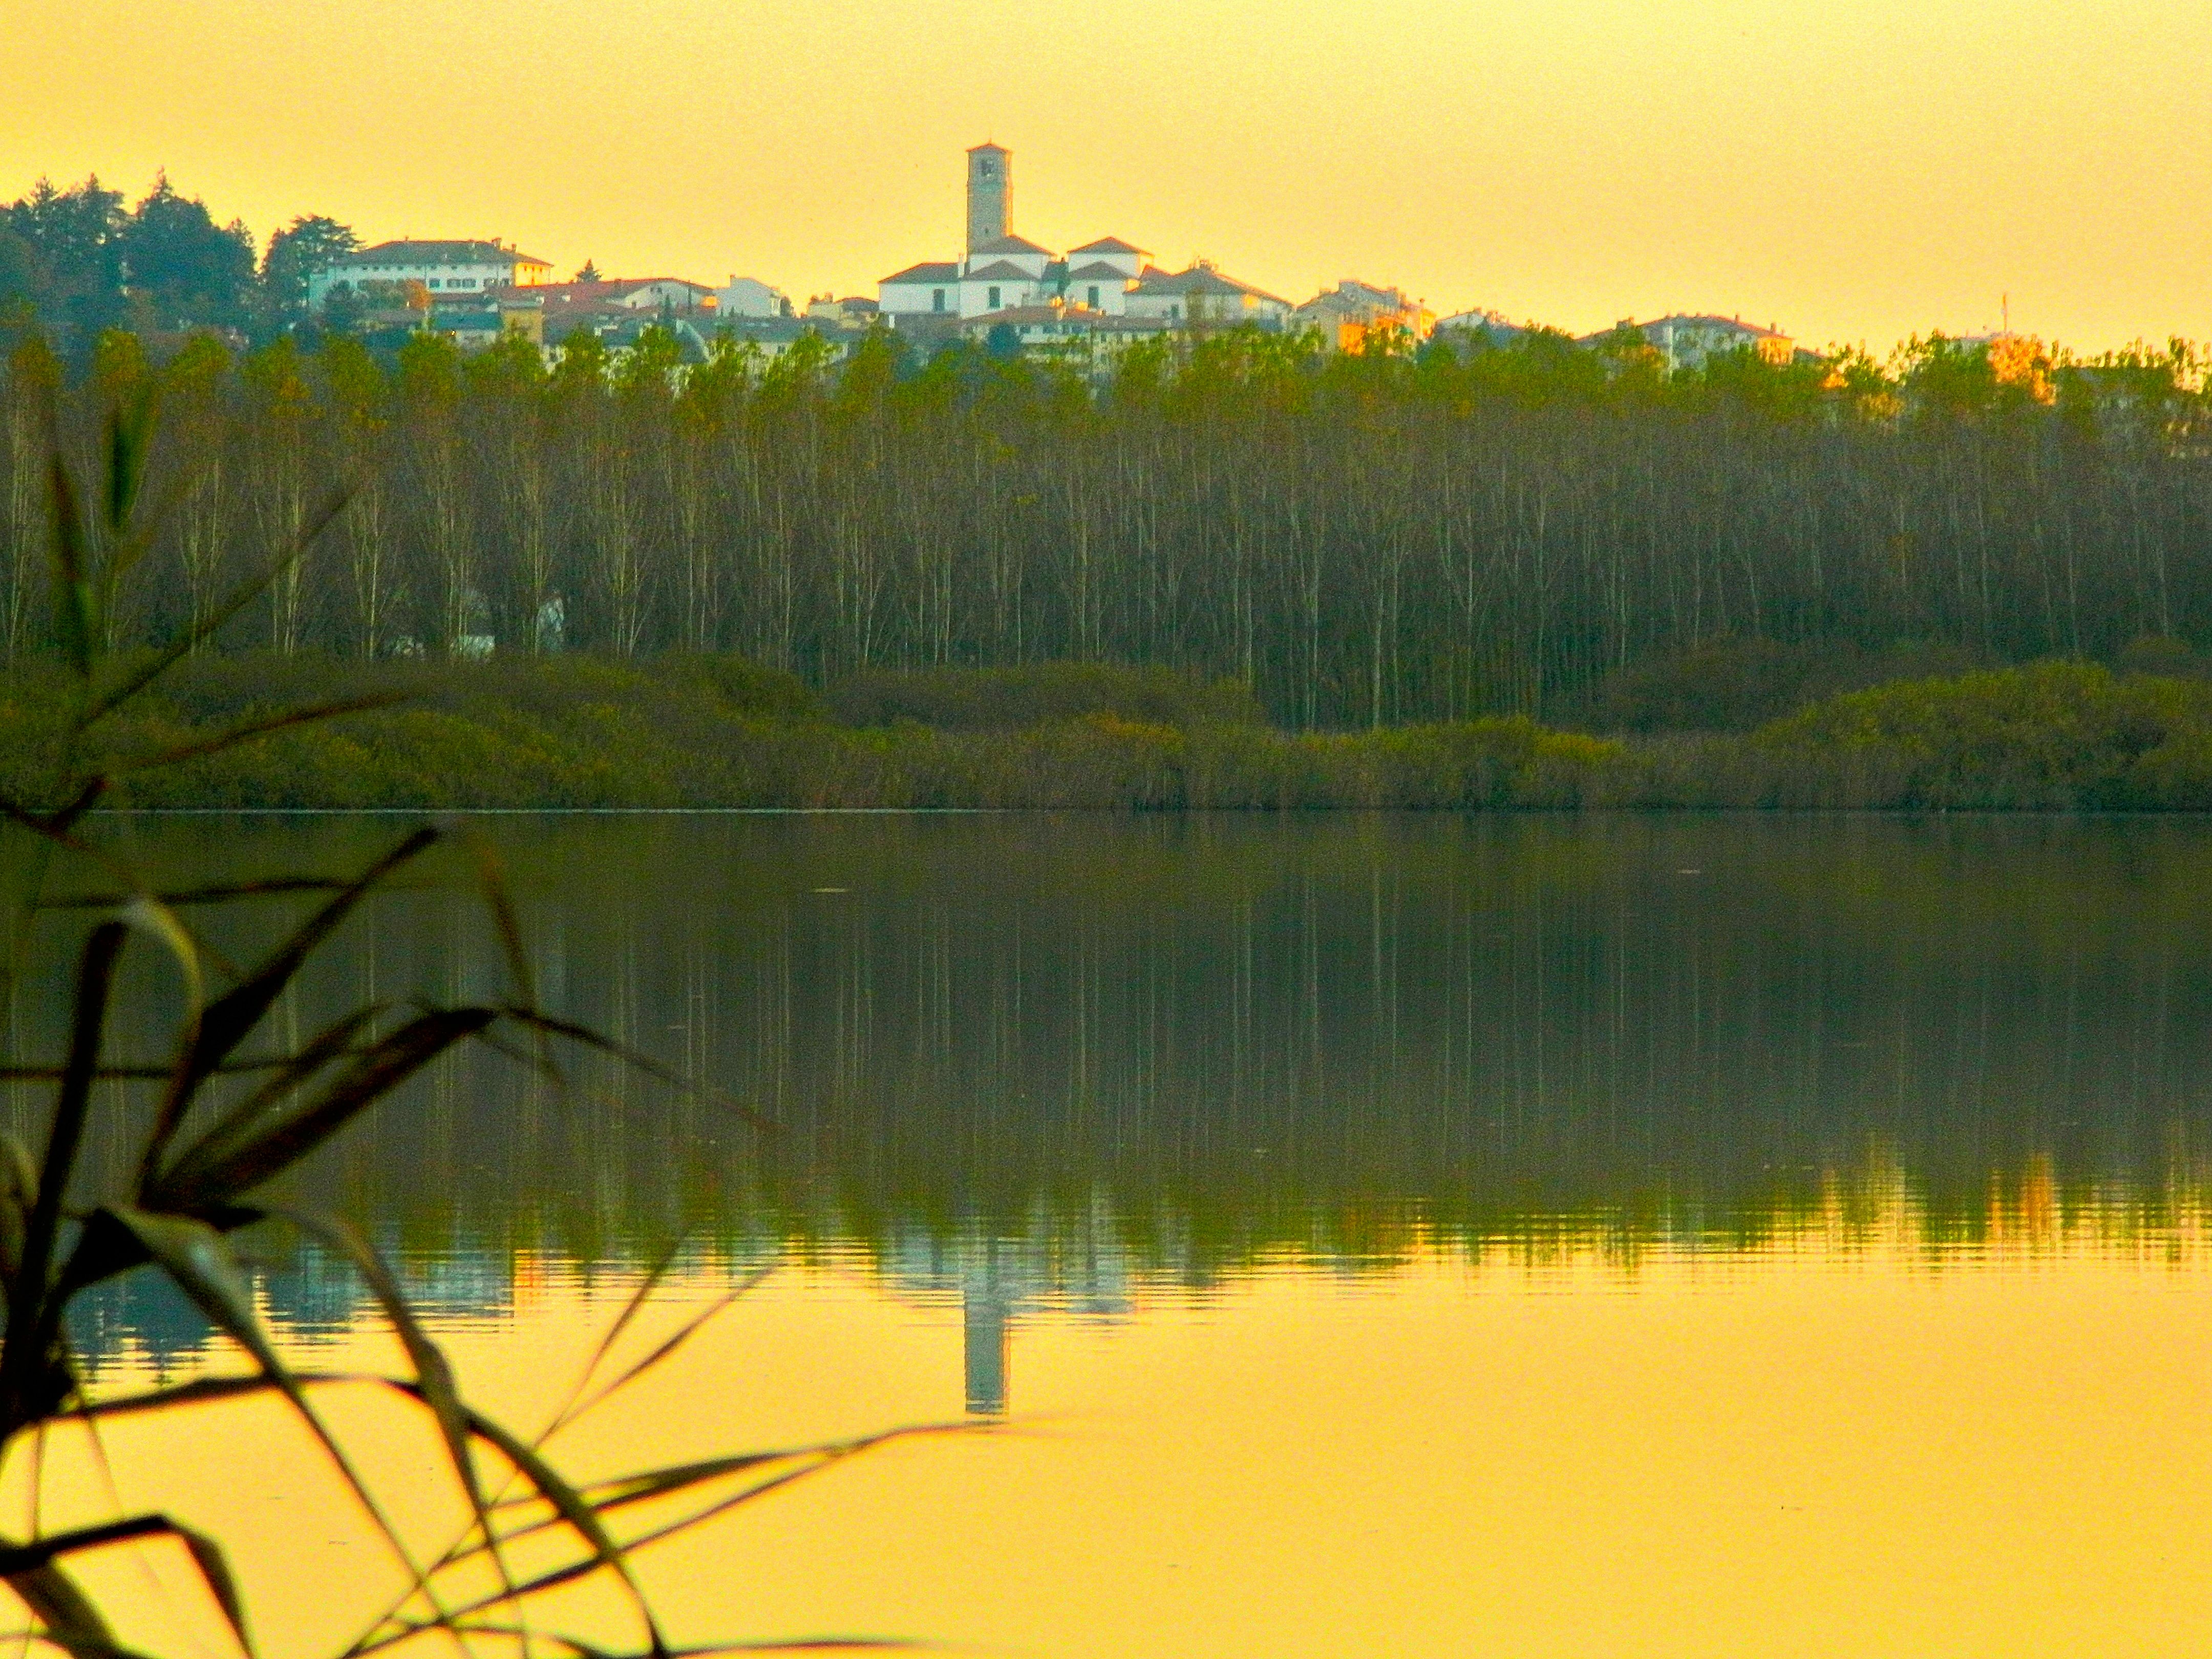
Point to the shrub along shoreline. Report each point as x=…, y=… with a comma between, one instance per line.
x=717, y=732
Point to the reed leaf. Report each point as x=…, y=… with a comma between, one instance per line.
x=16, y=1559
x=434, y=1374
x=220, y=892
x=229, y=1019
x=221, y=1177
x=184, y=1205
x=197, y=1260
x=137, y=679
x=222, y=742
x=71, y=1621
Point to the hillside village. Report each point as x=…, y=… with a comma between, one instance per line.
x=1083, y=305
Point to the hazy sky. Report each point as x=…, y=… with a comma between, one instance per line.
x=1849, y=169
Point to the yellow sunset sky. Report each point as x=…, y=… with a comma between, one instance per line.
x=1851, y=170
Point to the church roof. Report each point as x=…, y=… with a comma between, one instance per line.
x=1008, y=244
x=1095, y=269
x=1104, y=245
x=1001, y=270
x=935, y=272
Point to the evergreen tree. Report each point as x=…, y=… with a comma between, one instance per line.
x=20, y=276
x=190, y=272
x=296, y=253
x=75, y=274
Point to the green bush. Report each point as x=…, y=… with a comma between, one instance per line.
x=578, y=732
x=1015, y=699
x=1736, y=683
x=2050, y=735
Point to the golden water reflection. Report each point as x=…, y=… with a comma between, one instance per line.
x=1518, y=1235
x=1858, y=1434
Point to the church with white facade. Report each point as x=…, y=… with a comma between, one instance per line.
x=1006, y=277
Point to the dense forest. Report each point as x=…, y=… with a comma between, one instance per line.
x=79, y=261
x=1515, y=525
x=1363, y=539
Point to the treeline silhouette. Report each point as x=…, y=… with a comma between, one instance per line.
x=1369, y=539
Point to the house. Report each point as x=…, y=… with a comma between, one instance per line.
x=1344, y=317
x=661, y=294
x=442, y=268
x=1686, y=340
x=522, y=315
x=1488, y=327
x=472, y=330
x=1099, y=275
x=748, y=296
x=631, y=293
x=771, y=336
x=1074, y=335
x=558, y=322
x=1035, y=325
x=692, y=344
x=931, y=289
x=852, y=313
x=1201, y=296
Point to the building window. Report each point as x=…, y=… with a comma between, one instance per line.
x=937, y=299
x=1093, y=291
x=434, y=282
x=994, y=300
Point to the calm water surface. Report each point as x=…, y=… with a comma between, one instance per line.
x=1403, y=1234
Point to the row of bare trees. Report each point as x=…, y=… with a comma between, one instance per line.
x=1365, y=539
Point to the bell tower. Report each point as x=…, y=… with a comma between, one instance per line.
x=990, y=194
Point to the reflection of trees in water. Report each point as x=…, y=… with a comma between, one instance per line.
x=1337, y=1036
x=1093, y=1265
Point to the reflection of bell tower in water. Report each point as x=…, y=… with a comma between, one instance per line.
x=990, y=195
x=986, y=1347
x=991, y=1280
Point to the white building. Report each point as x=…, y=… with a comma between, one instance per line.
x=853, y=313
x=442, y=268
x=1100, y=275
x=1344, y=317
x=1491, y=325
x=748, y=296
x=1686, y=341
x=1202, y=296
x=919, y=291
x=1107, y=289
x=1002, y=271
x=653, y=292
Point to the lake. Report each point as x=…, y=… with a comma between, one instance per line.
x=1529, y=1235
